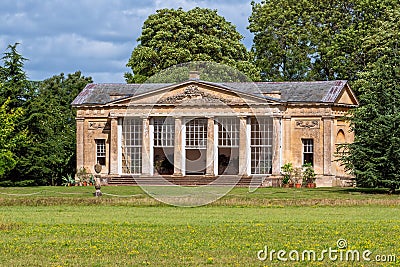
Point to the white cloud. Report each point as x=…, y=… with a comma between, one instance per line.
x=94, y=36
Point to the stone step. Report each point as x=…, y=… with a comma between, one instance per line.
x=186, y=180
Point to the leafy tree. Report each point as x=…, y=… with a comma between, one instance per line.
x=281, y=39
x=9, y=137
x=314, y=40
x=173, y=36
x=14, y=95
x=210, y=71
x=374, y=157
x=51, y=119
x=15, y=87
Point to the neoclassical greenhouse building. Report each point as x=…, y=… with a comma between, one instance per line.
x=194, y=131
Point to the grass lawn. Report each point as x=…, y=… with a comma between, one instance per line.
x=67, y=226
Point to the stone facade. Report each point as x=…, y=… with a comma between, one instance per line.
x=255, y=127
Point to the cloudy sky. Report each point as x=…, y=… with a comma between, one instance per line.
x=94, y=36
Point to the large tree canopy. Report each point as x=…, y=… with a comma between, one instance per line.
x=314, y=39
x=374, y=157
x=52, y=130
x=171, y=36
x=15, y=85
x=10, y=137
x=37, y=124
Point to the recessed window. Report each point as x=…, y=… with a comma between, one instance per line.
x=164, y=132
x=196, y=134
x=261, y=145
x=101, y=151
x=132, y=145
x=308, y=151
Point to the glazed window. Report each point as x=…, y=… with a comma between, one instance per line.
x=261, y=145
x=164, y=132
x=308, y=151
x=101, y=151
x=196, y=134
x=132, y=145
x=228, y=132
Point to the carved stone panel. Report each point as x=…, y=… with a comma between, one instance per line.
x=307, y=124
x=95, y=125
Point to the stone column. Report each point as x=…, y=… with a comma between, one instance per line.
x=146, y=147
x=210, y=147
x=113, y=163
x=244, y=147
x=178, y=146
x=80, y=143
x=119, y=149
x=286, y=139
x=328, y=128
x=276, y=145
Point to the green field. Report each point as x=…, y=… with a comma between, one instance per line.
x=67, y=226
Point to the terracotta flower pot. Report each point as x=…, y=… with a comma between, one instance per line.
x=311, y=185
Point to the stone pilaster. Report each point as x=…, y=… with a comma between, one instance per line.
x=286, y=139
x=178, y=163
x=80, y=143
x=146, y=154
x=244, y=147
x=328, y=141
x=113, y=162
x=210, y=147
x=276, y=145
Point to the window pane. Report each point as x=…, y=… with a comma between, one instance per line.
x=308, y=151
x=164, y=132
x=261, y=145
x=196, y=134
x=101, y=151
x=132, y=145
x=228, y=132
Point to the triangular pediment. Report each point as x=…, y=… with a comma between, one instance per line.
x=347, y=97
x=193, y=93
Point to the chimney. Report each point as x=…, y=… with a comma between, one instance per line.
x=194, y=75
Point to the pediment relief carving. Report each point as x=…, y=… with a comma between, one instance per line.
x=192, y=94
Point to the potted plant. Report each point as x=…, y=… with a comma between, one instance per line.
x=82, y=177
x=68, y=180
x=91, y=180
x=287, y=170
x=309, y=175
x=297, y=177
